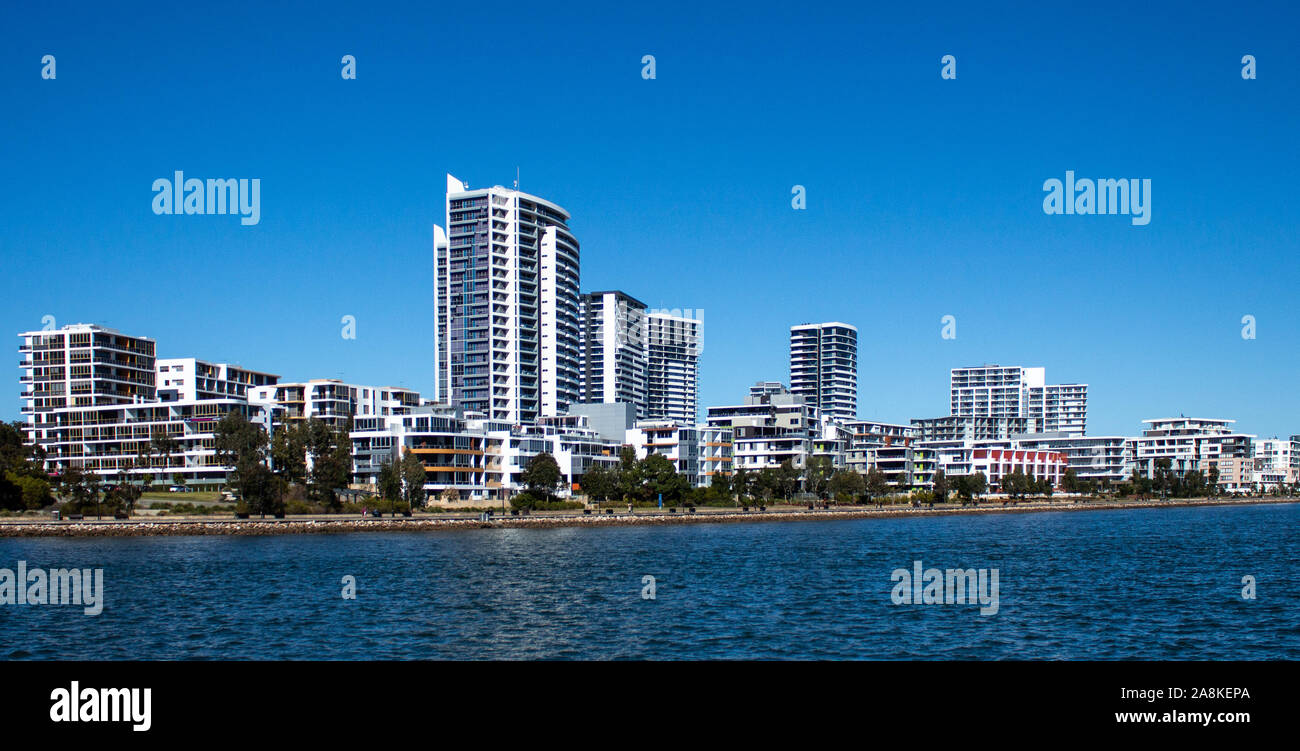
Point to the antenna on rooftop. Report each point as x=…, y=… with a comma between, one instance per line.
x=516, y=177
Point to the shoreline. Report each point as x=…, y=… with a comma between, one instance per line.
x=197, y=526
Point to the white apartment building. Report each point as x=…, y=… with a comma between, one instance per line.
x=614, y=350
x=1100, y=459
x=331, y=401
x=672, y=367
x=477, y=459
x=769, y=429
x=189, y=379
x=111, y=439
x=1189, y=444
x=98, y=399
x=824, y=367
x=1276, y=462
x=509, y=333
x=997, y=463
x=1278, y=453
x=865, y=435
x=697, y=451
x=995, y=391
x=82, y=365
x=904, y=466
x=969, y=428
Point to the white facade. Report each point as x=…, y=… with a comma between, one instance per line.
x=476, y=458
x=191, y=379
x=824, y=367
x=1013, y=392
x=699, y=452
x=614, y=350
x=111, y=439
x=82, y=365
x=673, y=367
x=1189, y=444
x=1096, y=458
x=331, y=401
x=769, y=429
x=508, y=341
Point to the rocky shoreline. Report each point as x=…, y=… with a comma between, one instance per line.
x=317, y=525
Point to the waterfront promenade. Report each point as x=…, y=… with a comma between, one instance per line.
x=336, y=523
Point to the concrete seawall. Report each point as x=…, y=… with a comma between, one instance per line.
x=335, y=524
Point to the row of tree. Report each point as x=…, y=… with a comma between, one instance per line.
x=310, y=454
x=403, y=481
x=647, y=480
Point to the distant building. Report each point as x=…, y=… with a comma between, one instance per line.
x=1099, y=459
x=699, y=452
x=769, y=429
x=614, y=350
x=191, y=379
x=82, y=365
x=1189, y=443
x=998, y=392
x=824, y=367
x=508, y=330
x=673, y=367
x=331, y=401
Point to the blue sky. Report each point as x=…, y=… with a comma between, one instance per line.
x=924, y=196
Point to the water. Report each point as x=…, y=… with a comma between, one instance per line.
x=1134, y=584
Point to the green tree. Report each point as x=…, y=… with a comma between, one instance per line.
x=877, y=485
x=289, y=453
x=817, y=476
x=846, y=484
x=1070, y=481
x=767, y=484
x=742, y=484
x=541, y=476
x=330, y=449
x=787, y=480
x=661, y=479
x=1213, y=481
x=630, y=486
x=600, y=483
x=11, y=495
x=413, y=479
x=941, y=488
x=390, y=481
x=242, y=445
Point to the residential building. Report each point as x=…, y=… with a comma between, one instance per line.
x=111, y=440
x=672, y=367
x=699, y=452
x=969, y=428
x=82, y=365
x=824, y=367
x=1189, y=444
x=995, y=391
x=331, y=401
x=474, y=458
x=1236, y=473
x=509, y=335
x=1099, y=459
x=614, y=349
x=769, y=429
x=191, y=379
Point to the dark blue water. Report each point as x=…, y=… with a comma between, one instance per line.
x=1139, y=584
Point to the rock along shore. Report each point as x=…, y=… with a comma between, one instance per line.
x=334, y=524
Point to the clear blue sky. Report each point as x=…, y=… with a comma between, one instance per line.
x=924, y=195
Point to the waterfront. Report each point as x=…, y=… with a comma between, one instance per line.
x=1124, y=584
